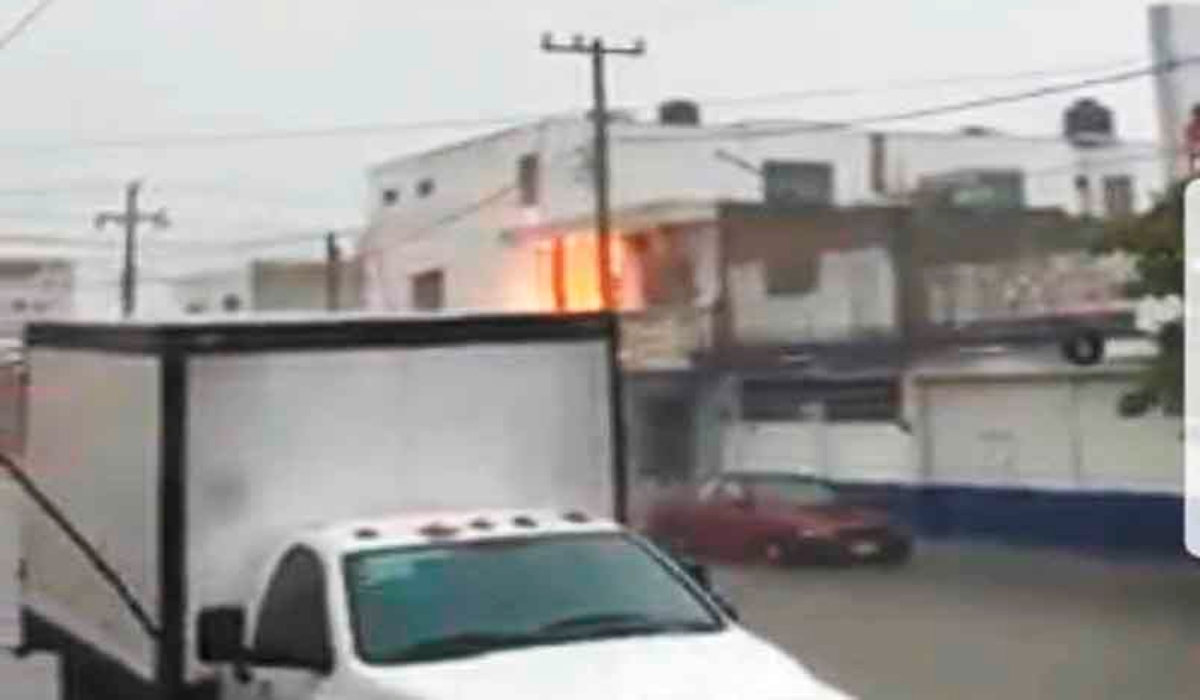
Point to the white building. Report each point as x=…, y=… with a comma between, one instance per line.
x=442, y=223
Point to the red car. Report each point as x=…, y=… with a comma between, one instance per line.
x=777, y=518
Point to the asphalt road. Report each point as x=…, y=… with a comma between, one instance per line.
x=980, y=622
x=960, y=622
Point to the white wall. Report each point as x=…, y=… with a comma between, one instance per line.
x=856, y=452
x=1059, y=431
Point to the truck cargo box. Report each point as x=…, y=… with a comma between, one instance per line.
x=185, y=452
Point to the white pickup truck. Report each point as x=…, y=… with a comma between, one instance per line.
x=355, y=509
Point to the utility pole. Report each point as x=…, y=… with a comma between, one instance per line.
x=599, y=51
x=600, y=178
x=131, y=218
x=333, y=276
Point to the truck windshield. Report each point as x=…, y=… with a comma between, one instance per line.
x=460, y=599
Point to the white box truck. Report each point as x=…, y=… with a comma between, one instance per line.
x=354, y=509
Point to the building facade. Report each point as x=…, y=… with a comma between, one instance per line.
x=441, y=223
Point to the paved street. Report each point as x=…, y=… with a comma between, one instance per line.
x=979, y=623
x=974, y=623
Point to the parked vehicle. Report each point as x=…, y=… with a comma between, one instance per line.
x=354, y=509
x=778, y=518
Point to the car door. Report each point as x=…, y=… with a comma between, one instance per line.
x=292, y=630
x=733, y=518
x=701, y=519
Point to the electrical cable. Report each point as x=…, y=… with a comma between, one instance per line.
x=738, y=133
x=23, y=23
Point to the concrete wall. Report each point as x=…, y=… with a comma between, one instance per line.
x=302, y=286
x=1051, y=432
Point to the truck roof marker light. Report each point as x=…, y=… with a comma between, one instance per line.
x=438, y=531
x=524, y=521
x=575, y=517
x=482, y=524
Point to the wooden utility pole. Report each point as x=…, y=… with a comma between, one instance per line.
x=131, y=218
x=600, y=179
x=598, y=51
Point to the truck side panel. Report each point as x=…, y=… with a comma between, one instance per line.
x=93, y=450
x=281, y=440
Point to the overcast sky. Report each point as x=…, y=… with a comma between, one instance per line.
x=116, y=69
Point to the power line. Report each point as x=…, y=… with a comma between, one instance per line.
x=22, y=24
x=357, y=130
x=936, y=110
x=210, y=139
x=913, y=84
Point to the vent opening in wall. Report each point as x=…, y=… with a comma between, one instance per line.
x=528, y=177
x=429, y=290
x=390, y=196
x=426, y=187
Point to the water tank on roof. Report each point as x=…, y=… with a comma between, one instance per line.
x=1089, y=123
x=679, y=113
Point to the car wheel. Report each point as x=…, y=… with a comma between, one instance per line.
x=898, y=557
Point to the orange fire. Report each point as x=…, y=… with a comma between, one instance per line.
x=568, y=266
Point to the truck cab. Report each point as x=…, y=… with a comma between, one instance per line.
x=491, y=604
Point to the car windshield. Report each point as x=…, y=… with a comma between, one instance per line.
x=805, y=492
x=429, y=603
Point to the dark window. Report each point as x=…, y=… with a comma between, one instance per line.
x=529, y=178
x=20, y=306
x=790, y=275
x=429, y=290
x=426, y=187
x=231, y=303
x=195, y=307
x=769, y=400
x=797, y=183
x=293, y=622
x=390, y=196
x=1118, y=195
x=669, y=436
